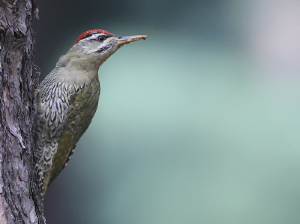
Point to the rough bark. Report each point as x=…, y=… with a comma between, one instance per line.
x=18, y=200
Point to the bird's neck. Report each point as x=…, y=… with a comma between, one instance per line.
x=75, y=69
x=73, y=60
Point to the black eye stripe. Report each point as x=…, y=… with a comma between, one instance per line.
x=105, y=36
x=104, y=48
x=98, y=38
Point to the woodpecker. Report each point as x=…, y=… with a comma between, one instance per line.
x=68, y=99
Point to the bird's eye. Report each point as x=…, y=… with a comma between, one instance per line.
x=101, y=38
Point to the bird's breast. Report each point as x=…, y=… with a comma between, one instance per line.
x=82, y=108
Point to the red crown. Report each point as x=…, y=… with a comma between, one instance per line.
x=89, y=33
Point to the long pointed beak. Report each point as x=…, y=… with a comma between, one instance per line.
x=128, y=39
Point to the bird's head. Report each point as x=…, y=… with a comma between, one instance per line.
x=98, y=45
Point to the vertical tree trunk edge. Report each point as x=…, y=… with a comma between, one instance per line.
x=20, y=200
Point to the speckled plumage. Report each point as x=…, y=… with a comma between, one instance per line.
x=65, y=112
x=68, y=99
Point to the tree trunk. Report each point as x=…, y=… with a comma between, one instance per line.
x=19, y=201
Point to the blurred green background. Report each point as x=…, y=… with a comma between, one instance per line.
x=199, y=124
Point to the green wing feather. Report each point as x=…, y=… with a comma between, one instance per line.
x=82, y=108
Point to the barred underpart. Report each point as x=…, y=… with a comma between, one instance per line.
x=65, y=112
